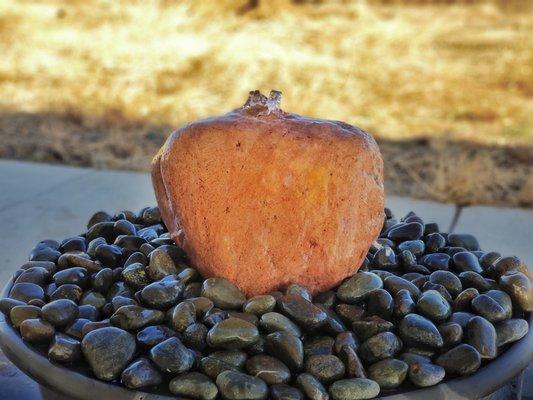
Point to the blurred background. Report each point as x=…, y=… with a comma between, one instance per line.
x=446, y=87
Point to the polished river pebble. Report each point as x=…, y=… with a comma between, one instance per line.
x=122, y=300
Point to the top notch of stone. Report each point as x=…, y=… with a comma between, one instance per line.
x=258, y=104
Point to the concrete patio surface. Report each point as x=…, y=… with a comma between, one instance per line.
x=39, y=201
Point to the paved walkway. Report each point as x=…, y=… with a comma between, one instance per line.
x=39, y=201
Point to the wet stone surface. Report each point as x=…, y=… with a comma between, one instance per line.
x=74, y=330
x=466, y=261
x=162, y=294
x=348, y=339
x=122, y=300
x=460, y=360
x=26, y=291
x=286, y=347
x=108, y=351
x=461, y=318
x=20, y=313
x=60, y=312
x=425, y=374
x=319, y=345
x=452, y=333
x=154, y=334
x=302, y=311
x=182, y=315
x=389, y=373
x=141, y=373
x=224, y=360
x=370, y=326
x=195, y=336
x=325, y=367
x=274, y=322
x=223, y=293
x=493, y=305
x=237, y=385
x=359, y=287
x=433, y=306
x=194, y=385
x=356, y=388
x=416, y=330
x=519, y=287
x=37, y=330
x=136, y=317
x=463, y=301
x=171, y=356
x=311, y=387
x=38, y=275
x=285, y=392
x=510, y=331
x=232, y=334
x=260, y=305
x=395, y=283
x=450, y=281
x=64, y=349
x=268, y=368
x=380, y=346
x=380, y=303
x=481, y=335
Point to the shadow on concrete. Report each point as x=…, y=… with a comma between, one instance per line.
x=459, y=172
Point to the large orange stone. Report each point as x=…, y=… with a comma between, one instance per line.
x=266, y=198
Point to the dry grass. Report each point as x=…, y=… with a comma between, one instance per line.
x=132, y=69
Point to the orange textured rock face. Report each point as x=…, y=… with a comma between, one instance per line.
x=266, y=198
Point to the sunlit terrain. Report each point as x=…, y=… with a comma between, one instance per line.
x=102, y=82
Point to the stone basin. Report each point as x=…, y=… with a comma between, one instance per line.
x=60, y=383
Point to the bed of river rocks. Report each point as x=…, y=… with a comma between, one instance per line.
x=122, y=300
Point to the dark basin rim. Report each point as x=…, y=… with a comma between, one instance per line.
x=59, y=379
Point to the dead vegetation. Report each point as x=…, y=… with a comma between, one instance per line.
x=446, y=87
